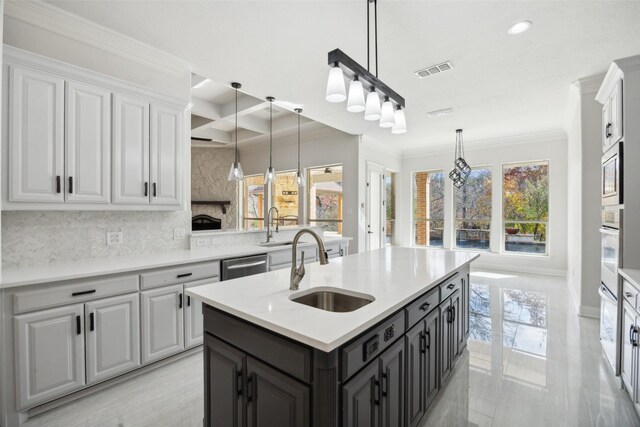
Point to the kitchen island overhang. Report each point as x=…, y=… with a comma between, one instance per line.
x=297, y=365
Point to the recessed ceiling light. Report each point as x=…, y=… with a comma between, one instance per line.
x=519, y=27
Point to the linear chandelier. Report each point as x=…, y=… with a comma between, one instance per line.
x=390, y=113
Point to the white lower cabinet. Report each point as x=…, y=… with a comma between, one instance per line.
x=49, y=354
x=193, y=321
x=112, y=336
x=162, y=322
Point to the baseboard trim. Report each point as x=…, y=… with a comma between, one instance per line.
x=589, y=311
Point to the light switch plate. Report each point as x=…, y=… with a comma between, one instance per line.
x=202, y=243
x=178, y=233
x=114, y=238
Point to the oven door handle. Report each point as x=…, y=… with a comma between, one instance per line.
x=612, y=231
x=606, y=294
x=249, y=264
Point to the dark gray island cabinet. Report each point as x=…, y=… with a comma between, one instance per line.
x=386, y=376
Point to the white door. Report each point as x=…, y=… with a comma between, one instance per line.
x=36, y=136
x=130, y=150
x=166, y=160
x=162, y=323
x=49, y=354
x=375, y=208
x=88, y=144
x=113, y=336
x=615, y=103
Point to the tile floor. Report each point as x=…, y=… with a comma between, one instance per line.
x=531, y=361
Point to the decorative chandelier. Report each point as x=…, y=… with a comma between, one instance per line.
x=391, y=113
x=461, y=168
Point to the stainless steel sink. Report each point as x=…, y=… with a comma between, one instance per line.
x=273, y=244
x=333, y=300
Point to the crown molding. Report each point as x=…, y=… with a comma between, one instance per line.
x=610, y=79
x=588, y=85
x=509, y=141
x=74, y=27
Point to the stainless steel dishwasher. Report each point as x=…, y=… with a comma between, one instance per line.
x=233, y=268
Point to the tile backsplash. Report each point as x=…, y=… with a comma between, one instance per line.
x=31, y=238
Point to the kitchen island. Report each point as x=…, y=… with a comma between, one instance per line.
x=270, y=360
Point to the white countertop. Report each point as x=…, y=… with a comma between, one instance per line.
x=631, y=275
x=394, y=276
x=47, y=273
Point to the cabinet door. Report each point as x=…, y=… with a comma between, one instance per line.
x=274, y=399
x=162, y=323
x=113, y=336
x=445, y=342
x=456, y=324
x=130, y=150
x=224, y=384
x=88, y=144
x=392, y=382
x=49, y=354
x=166, y=155
x=36, y=136
x=432, y=338
x=606, y=125
x=193, y=322
x=629, y=334
x=416, y=374
x=360, y=404
x=615, y=103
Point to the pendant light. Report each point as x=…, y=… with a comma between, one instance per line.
x=372, y=110
x=235, y=173
x=335, y=85
x=386, y=114
x=356, y=104
x=461, y=169
x=300, y=174
x=270, y=174
x=401, y=123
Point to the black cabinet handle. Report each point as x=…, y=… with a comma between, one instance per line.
x=58, y=186
x=76, y=294
x=188, y=301
x=250, y=388
x=385, y=383
x=146, y=189
x=628, y=294
x=154, y=189
x=376, y=393
x=239, y=383
x=179, y=276
x=424, y=306
x=70, y=184
x=78, y=325
x=429, y=338
x=453, y=314
x=423, y=343
x=449, y=320
x=450, y=286
x=606, y=132
x=179, y=301
x=91, y=322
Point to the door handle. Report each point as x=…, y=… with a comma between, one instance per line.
x=78, y=325
x=58, y=186
x=239, y=383
x=146, y=189
x=70, y=184
x=429, y=338
x=385, y=383
x=179, y=301
x=188, y=301
x=154, y=189
x=91, y=322
x=376, y=393
x=606, y=132
x=250, y=388
x=423, y=343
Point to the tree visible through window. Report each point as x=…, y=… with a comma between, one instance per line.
x=525, y=196
x=428, y=208
x=390, y=206
x=253, y=202
x=325, y=198
x=473, y=210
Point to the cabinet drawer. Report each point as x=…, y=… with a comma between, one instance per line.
x=630, y=293
x=72, y=292
x=273, y=349
x=448, y=287
x=181, y=274
x=422, y=306
x=284, y=257
x=371, y=344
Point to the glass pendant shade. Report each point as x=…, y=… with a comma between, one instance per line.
x=356, y=103
x=387, y=119
x=300, y=179
x=372, y=109
x=270, y=175
x=400, y=125
x=235, y=173
x=336, y=91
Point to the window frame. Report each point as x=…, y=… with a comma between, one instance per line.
x=454, y=242
x=413, y=217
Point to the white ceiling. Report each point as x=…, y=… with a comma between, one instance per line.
x=502, y=85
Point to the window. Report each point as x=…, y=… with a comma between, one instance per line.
x=285, y=198
x=525, y=194
x=325, y=198
x=428, y=208
x=390, y=206
x=253, y=203
x=473, y=210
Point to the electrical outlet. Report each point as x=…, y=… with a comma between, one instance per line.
x=178, y=233
x=114, y=238
x=202, y=243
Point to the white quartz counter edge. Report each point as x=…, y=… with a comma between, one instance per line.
x=33, y=275
x=631, y=275
x=257, y=314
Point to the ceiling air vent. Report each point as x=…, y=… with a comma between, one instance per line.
x=438, y=113
x=434, y=69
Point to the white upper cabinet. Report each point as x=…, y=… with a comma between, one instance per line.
x=166, y=159
x=88, y=144
x=130, y=150
x=36, y=136
x=612, y=120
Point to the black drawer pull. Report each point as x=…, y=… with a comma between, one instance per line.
x=451, y=286
x=77, y=294
x=91, y=322
x=329, y=250
x=179, y=276
x=425, y=306
x=78, y=325
x=628, y=294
